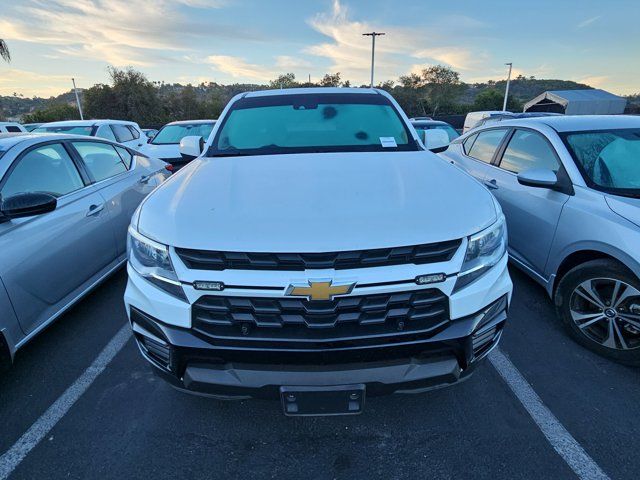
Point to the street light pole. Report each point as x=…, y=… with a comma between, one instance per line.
x=75, y=90
x=373, y=36
x=506, y=93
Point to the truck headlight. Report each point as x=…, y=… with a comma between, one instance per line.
x=151, y=260
x=484, y=250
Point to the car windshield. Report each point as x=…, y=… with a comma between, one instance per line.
x=172, y=134
x=447, y=128
x=610, y=160
x=308, y=123
x=71, y=129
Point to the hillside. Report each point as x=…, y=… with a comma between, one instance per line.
x=522, y=89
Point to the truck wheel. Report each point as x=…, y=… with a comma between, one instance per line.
x=599, y=303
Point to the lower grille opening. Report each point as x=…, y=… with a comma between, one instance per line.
x=482, y=342
x=157, y=350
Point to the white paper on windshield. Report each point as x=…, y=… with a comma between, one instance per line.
x=388, y=142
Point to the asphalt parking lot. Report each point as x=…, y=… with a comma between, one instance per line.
x=128, y=424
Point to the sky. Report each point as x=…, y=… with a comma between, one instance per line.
x=253, y=41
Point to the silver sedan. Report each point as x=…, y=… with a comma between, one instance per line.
x=570, y=190
x=65, y=206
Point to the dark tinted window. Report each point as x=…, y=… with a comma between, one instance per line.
x=105, y=132
x=46, y=169
x=468, y=143
x=126, y=156
x=12, y=129
x=101, y=159
x=527, y=150
x=123, y=134
x=486, y=144
x=133, y=131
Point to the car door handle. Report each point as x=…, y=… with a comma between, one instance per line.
x=144, y=178
x=492, y=184
x=95, y=209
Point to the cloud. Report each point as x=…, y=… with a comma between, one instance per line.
x=119, y=32
x=14, y=80
x=350, y=53
x=589, y=21
x=595, y=80
x=239, y=68
x=285, y=61
x=456, y=57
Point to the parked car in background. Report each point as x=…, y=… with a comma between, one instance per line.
x=11, y=127
x=513, y=116
x=65, y=206
x=166, y=143
x=121, y=131
x=473, y=118
x=29, y=127
x=569, y=187
x=436, y=125
x=150, y=133
x=422, y=126
x=315, y=252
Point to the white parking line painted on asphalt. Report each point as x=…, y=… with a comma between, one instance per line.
x=560, y=439
x=12, y=457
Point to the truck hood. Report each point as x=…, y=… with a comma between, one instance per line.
x=628, y=208
x=161, y=151
x=316, y=203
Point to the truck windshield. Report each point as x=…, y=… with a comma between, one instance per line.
x=609, y=160
x=306, y=123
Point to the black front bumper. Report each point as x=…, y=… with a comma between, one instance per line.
x=407, y=363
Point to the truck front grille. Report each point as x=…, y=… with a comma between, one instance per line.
x=301, y=323
x=415, y=254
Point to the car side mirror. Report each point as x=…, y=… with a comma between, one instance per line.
x=191, y=147
x=435, y=139
x=538, y=177
x=27, y=205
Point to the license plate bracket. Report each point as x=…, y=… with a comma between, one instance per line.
x=316, y=401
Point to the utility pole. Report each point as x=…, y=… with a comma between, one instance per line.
x=75, y=90
x=373, y=36
x=506, y=92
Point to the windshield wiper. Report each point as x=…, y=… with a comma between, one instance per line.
x=230, y=154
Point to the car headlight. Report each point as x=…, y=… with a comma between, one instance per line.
x=484, y=250
x=151, y=260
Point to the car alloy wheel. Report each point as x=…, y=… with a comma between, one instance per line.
x=607, y=311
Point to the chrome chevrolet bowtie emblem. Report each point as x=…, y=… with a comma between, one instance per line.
x=324, y=290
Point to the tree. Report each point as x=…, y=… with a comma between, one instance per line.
x=52, y=113
x=288, y=80
x=492, y=99
x=410, y=81
x=129, y=97
x=442, y=85
x=330, y=80
x=4, y=51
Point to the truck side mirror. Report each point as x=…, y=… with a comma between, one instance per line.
x=191, y=147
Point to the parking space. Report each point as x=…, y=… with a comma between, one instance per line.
x=130, y=424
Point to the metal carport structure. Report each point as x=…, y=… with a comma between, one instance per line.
x=577, y=102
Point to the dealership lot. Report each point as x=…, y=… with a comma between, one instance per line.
x=130, y=424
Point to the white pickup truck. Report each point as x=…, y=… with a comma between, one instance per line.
x=316, y=252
